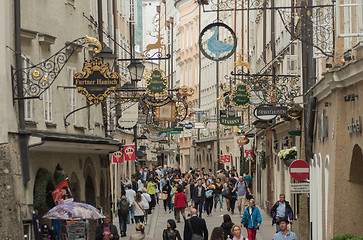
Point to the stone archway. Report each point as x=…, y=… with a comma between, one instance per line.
x=42, y=197
x=353, y=213
x=90, y=191
x=103, y=193
x=75, y=187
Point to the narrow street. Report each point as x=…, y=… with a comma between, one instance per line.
x=157, y=223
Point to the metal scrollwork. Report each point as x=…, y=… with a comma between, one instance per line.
x=270, y=89
x=230, y=5
x=320, y=19
x=39, y=77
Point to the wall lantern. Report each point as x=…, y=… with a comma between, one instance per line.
x=136, y=69
x=107, y=56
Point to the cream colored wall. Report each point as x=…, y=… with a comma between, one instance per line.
x=70, y=25
x=339, y=146
x=8, y=121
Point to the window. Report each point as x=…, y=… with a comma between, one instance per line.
x=28, y=103
x=351, y=13
x=73, y=92
x=187, y=36
x=92, y=8
x=47, y=104
x=190, y=82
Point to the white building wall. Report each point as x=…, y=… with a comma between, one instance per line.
x=8, y=121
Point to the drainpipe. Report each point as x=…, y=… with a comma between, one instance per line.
x=109, y=21
x=23, y=143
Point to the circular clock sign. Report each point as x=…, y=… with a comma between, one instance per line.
x=217, y=41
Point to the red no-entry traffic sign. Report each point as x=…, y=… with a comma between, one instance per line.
x=299, y=170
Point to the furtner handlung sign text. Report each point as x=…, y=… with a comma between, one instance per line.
x=96, y=83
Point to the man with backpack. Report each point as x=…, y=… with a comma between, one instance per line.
x=242, y=189
x=123, y=212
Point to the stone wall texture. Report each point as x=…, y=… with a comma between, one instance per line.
x=11, y=226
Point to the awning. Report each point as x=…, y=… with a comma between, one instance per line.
x=71, y=143
x=210, y=139
x=251, y=133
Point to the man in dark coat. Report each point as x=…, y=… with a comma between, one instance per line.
x=107, y=229
x=199, y=197
x=281, y=210
x=195, y=225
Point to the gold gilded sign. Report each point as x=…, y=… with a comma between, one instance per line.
x=97, y=82
x=156, y=83
x=166, y=112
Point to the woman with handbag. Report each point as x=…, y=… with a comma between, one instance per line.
x=150, y=189
x=218, y=195
x=171, y=233
x=209, y=189
x=166, y=190
x=251, y=219
x=139, y=209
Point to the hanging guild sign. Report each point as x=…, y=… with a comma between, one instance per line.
x=249, y=155
x=166, y=112
x=117, y=157
x=241, y=96
x=156, y=83
x=225, y=159
x=129, y=152
x=213, y=45
x=231, y=121
x=97, y=82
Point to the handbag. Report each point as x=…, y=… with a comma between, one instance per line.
x=245, y=223
x=162, y=196
x=143, y=210
x=248, y=195
x=194, y=235
x=226, y=193
x=208, y=193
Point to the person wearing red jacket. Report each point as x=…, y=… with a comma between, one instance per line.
x=180, y=203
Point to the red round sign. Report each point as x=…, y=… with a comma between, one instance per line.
x=299, y=170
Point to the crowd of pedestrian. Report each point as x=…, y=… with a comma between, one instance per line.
x=198, y=191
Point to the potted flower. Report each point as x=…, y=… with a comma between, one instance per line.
x=288, y=155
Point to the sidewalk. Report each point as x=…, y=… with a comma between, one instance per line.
x=157, y=223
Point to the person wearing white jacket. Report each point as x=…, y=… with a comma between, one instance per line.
x=145, y=199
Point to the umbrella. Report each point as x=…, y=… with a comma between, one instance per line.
x=72, y=211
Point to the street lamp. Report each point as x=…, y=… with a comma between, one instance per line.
x=107, y=56
x=136, y=69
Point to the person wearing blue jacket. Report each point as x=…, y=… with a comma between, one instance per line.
x=253, y=218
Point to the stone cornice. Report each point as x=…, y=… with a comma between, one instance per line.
x=339, y=78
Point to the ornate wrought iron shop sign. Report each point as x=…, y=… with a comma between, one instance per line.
x=97, y=82
x=156, y=83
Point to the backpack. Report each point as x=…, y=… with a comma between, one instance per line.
x=194, y=235
x=123, y=208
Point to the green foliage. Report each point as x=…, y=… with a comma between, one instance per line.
x=347, y=237
x=59, y=176
x=44, y=183
x=286, y=154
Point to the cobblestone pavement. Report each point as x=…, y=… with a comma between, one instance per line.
x=157, y=223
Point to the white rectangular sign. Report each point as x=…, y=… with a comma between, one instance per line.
x=299, y=188
x=199, y=125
